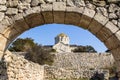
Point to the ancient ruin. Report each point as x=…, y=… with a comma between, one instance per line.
x=100, y=17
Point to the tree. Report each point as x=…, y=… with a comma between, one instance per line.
x=39, y=55
x=84, y=49
x=22, y=45
x=90, y=49
x=35, y=52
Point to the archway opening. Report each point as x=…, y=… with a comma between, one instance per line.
x=46, y=34
x=51, y=30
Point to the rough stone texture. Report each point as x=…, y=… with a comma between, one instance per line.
x=1, y=16
x=3, y=40
x=66, y=66
x=2, y=1
x=32, y=16
x=59, y=16
x=86, y=18
x=114, y=41
x=12, y=11
x=17, y=68
x=3, y=8
x=46, y=12
x=76, y=65
x=83, y=60
x=73, y=15
x=54, y=73
x=94, y=26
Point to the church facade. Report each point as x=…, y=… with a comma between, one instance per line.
x=62, y=45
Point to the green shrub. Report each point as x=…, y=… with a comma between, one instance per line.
x=35, y=52
x=38, y=55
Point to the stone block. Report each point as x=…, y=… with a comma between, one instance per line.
x=72, y=18
x=2, y=28
x=59, y=12
x=18, y=17
x=23, y=6
x=75, y=9
x=101, y=19
x=116, y=53
x=59, y=17
x=2, y=15
x=7, y=21
x=10, y=33
x=3, y=8
x=47, y=13
x=34, y=2
x=12, y=3
x=3, y=43
x=12, y=11
x=73, y=15
x=20, y=25
x=113, y=28
x=1, y=55
x=59, y=6
x=48, y=17
x=85, y=21
x=3, y=1
x=117, y=34
x=34, y=20
x=109, y=29
x=36, y=9
x=112, y=42
x=32, y=11
x=86, y=18
x=46, y=7
x=94, y=26
x=104, y=34
x=89, y=12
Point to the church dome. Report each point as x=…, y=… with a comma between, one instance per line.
x=62, y=35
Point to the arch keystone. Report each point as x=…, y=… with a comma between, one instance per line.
x=46, y=10
x=59, y=12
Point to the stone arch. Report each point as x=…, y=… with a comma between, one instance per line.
x=15, y=21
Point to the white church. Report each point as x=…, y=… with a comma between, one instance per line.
x=62, y=44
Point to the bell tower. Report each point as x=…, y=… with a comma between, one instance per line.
x=62, y=38
x=62, y=43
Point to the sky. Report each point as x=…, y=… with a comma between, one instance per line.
x=45, y=35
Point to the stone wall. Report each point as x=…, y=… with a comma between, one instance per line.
x=17, y=68
x=66, y=66
x=83, y=60
x=55, y=73
x=79, y=65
